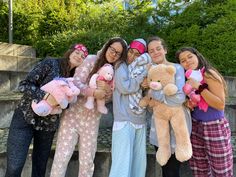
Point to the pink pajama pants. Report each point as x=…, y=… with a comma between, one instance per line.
x=78, y=125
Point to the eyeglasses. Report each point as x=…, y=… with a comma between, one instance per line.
x=113, y=51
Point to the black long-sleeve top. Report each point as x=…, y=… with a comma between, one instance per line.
x=42, y=73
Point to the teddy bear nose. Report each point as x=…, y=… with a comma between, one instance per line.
x=155, y=85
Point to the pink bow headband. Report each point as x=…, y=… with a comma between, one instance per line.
x=138, y=45
x=82, y=48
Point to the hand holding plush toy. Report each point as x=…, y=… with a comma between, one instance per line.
x=194, y=98
x=105, y=73
x=60, y=92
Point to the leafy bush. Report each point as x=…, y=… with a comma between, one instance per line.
x=52, y=26
x=208, y=27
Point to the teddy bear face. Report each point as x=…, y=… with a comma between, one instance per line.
x=161, y=75
x=107, y=72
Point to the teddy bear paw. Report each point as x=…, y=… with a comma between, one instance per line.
x=183, y=153
x=102, y=109
x=162, y=157
x=88, y=105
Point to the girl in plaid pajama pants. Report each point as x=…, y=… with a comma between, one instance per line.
x=212, y=149
x=80, y=125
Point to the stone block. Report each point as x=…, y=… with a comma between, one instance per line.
x=231, y=84
x=8, y=63
x=15, y=78
x=4, y=81
x=24, y=64
x=17, y=50
x=230, y=114
x=7, y=108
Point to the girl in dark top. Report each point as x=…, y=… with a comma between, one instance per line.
x=26, y=125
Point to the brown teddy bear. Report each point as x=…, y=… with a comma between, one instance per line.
x=163, y=77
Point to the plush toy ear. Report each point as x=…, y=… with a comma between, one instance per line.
x=203, y=70
x=171, y=69
x=188, y=73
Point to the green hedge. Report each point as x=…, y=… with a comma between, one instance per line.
x=51, y=26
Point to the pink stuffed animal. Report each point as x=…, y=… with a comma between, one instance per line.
x=105, y=73
x=62, y=91
x=195, y=99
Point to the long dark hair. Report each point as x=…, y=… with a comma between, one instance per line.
x=202, y=62
x=102, y=55
x=65, y=63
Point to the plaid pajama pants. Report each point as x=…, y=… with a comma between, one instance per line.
x=212, y=149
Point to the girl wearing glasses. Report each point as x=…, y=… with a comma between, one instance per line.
x=129, y=128
x=80, y=125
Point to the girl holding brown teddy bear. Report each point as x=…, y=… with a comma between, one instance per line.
x=157, y=50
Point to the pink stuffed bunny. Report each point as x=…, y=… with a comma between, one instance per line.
x=62, y=91
x=195, y=99
x=105, y=73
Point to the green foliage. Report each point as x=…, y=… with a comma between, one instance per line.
x=4, y=22
x=209, y=27
x=52, y=26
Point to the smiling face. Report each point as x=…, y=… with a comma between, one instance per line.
x=132, y=55
x=114, y=52
x=76, y=58
x=188, y=60
x=157, y=52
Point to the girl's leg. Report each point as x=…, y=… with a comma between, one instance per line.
x=140, y=155
x=67, y=138
x=41, y=151
x=171, y=169
x=219, y=149
x=199, y=162
x=19, y=139
x=88, y=130
x=122, y=151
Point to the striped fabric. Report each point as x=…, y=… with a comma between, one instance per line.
x=212, y=149
x=136, y=68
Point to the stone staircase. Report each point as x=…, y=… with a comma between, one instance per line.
x=17, y=60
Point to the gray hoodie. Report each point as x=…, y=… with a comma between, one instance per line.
x=124, y=86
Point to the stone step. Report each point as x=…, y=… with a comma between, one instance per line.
x=17, y=50
x=102, y=159
x=17, y=63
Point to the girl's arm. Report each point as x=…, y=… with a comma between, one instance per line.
x=82, y=73
x=179, y=97
x=214, y=95
x=124, y=83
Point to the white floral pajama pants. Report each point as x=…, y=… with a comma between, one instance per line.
x=78, y=125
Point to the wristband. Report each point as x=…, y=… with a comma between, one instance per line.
x=201, y=88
